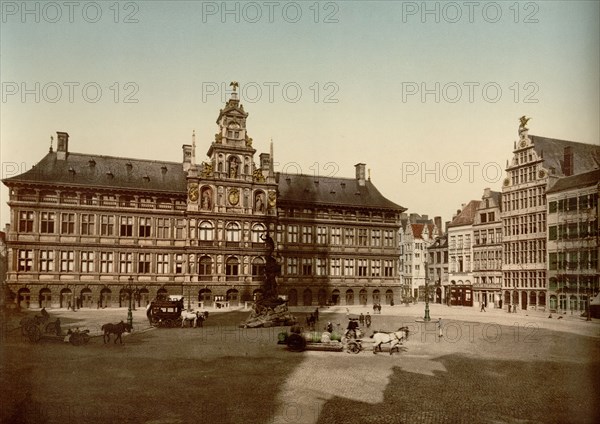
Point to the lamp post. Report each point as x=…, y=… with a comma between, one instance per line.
x=426, y=318
x=129, y=314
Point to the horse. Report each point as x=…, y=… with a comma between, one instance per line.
x=117, y=329
x=189, y=316
x=395, y=339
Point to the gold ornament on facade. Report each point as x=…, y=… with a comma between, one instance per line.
x=523, y=120
x=193, y=192
x=257, y=176
x=541, y=173
x=248, y=141
x=234, y=196
x=506, y=182
x=272, y=199
x=218, y=138
x=207, y=170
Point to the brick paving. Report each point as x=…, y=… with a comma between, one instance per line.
x=491, y=367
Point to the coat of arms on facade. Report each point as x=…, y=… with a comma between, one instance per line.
x=193, y=192
x=234, y=196
x=258, y=176
x=207, y=170
x=272, y=198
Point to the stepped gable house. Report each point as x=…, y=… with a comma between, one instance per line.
x=85, y=229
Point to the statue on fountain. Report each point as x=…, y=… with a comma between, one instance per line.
x=270, y=310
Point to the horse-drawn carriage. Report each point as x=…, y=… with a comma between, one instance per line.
x=352, y=340
x=171, y=313
x=41, y=328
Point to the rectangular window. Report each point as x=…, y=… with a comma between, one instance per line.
x=322, y=235
x=349, y=236
x=375, y=268
x=388, y=268
x=144, y=227
x=178, y=263
x=179, y=229
x=163, y=228
x=87, y=262
x=306, y=266
x=552, y=207
x=46, y=260
x=144, y=263
x=349, y=267
x=292, y=268
x=375, y=238
x=87, y=224
x=47, y=222
x=388, y=238
x=362, y=267
x=321, y=267
x=307, y=235
x=67, y=223
x=292, y=234
x=162, y=263
x=126, y=262
x=126, y=226
x=67, y=261
x=335, y=267
x=107, y=225
x=572, y=204
x=26, y=222
x=552, y=232
x=363, y=237
x=106, y=262
x=336, y=236
x=25, y=260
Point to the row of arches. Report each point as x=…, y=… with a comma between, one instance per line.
x=308, y=297
x=525, y=298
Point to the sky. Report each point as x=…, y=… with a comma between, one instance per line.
x=427, y=94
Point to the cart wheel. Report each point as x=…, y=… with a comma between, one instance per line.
x=168, y=323
x=76, y=339
x=296, y=343
x=353, y=347
x=34, y=333
x=85, y=337
x=50, y=328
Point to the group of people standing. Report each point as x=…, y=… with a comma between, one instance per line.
x=377, y=308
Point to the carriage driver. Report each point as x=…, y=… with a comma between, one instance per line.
x=352, y=326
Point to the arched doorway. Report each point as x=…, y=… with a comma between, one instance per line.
x=233, y=297
x=349, y=297
x=322, y=297
x=307, y=297
x=376, y=297
x=542, y=299
x=524, y=300
x=515, y=298
x=86, y=298
x=335, y=297
x=553, y=303
x=24, y=298
x=507, y=299
x=162, y=294
x=123, y=298
x=438, y=295
x=293, y=297
x=362, y=297
x=533, y=299
x=389, y=297
x=105, y=297
x=573, y=303
x=45, y=298
x=66, y=298
x=143, y=298
x=205, y=295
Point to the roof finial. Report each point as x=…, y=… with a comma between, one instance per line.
x=235, y=85
x=51, y=141
x=271, y=170
x=193, y=147
x=523, y=125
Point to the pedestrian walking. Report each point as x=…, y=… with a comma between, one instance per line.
x=361, y=319
x=515, y=308
x=482, y=307
x=368, y=320
x=317, y=314
x=439, y=325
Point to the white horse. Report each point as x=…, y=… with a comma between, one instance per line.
x=395, y=339
x=188, y=316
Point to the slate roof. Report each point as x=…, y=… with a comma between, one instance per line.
x=85, y=170
x=576, y=181
x=300, y=188
x=585, y=156
x=467, y=215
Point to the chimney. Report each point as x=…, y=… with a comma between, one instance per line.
x=568, y=162
x=187, y=157
x=360, y=173
x=62, y=145
x=438, y=223
x=446, y=227
x=487, y=192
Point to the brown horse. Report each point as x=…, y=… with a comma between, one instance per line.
x=117, y=329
